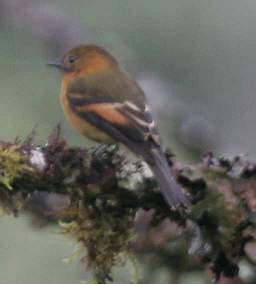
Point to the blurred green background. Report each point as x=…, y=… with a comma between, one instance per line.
x=195, y=60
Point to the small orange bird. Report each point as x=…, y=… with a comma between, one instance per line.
x=102, y=102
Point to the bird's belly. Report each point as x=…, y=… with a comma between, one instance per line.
x=82, y=126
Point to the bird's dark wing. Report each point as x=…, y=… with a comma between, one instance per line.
x=124, y=122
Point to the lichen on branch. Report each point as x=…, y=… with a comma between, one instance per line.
x=114, y=209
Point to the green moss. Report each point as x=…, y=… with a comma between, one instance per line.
x=220, y=221
x=105, y=235
x=12, y=164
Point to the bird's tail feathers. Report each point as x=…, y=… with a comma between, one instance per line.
x=170, y=189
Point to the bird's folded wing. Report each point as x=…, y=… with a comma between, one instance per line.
x=124, y=122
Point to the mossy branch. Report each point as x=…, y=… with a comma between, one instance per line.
x=114, y=209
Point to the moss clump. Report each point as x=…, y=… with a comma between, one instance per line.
x=105, y=234
x=12, y=164
x=216, y=216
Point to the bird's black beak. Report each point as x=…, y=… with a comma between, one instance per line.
x=56, y=63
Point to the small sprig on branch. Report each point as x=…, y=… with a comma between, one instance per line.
x=94, y=192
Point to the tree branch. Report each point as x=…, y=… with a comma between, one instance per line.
x=114, y=209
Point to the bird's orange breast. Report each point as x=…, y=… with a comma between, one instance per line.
x=80, y=124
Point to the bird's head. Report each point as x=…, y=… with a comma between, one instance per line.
x=84, y=59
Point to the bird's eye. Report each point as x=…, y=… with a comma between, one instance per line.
x=71, y=59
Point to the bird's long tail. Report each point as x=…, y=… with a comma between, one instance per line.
x=169, y=187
